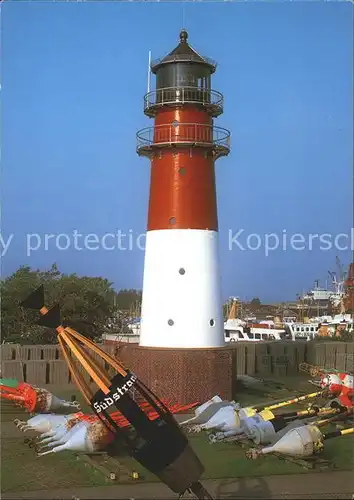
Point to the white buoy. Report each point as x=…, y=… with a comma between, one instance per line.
x=57, y=404
x=257, y=428
x=86, y=438
x=265, y=432
x=299, y=442
x=248, y=423
x=246, y=412
x=252, y=427
x=63, y=435
x=60, y=430
x=225, y=419
x=42, y=422
x=291, y=425
x=51, y=403
x=201, y=408
x=209, y=411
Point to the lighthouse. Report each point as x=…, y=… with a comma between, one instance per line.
x=181, y=302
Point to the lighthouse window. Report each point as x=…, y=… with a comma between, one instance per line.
x=185, y=76
x=211, y=322
x=172, y=220
x=170, y=322
x=182, y=170
x=182, y=271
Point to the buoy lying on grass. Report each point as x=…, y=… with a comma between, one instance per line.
x=299, y=442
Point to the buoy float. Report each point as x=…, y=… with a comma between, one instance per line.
x=299, y=442
x=83, y=437
x=33, y=399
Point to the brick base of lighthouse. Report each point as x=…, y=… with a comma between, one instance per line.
x=181, y=375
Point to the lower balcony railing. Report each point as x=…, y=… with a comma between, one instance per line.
x=187, y=134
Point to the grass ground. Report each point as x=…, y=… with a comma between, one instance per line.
x=22, y=470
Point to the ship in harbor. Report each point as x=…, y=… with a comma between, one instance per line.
x=321, y=312
x=248, y=329
x=326, y=300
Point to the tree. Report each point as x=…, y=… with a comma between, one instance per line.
x=85, y=304
x=128, y=299
x=255, y=302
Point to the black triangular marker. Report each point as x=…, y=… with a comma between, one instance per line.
x=35, y=300
x=51, y=319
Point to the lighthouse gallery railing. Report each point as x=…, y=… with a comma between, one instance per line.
x=183, y=133
x=183, y=95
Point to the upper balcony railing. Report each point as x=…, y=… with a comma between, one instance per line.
x=210, y=99
x=209, y=137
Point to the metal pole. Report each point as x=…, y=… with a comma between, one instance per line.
x=149, y=74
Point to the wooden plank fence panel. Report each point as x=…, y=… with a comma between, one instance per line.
x=36, y=373
x=310, y=353
x=276, y=348
x=341, y=359
x=50, y=352
x=36, y=353
x=301, y=353
x=290, y=360
x=241, y=358
x=261, y=351
x=264, y=365
x=349, y=357
x=279, y=371
x=340, y=363
x=277, y=355
x=60, y=354
x=262, y=348
x=12, y=369
x=58, y=372
x=330, y=359
x=22, y=353
x=250, y=359
x=320, y=354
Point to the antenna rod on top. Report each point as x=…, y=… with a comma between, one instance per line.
x=149, y=73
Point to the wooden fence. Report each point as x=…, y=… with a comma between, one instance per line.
x=281, y=359
x=41, y=365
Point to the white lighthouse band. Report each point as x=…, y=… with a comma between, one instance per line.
x=181, y=304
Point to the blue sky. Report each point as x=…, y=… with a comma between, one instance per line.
x=73, y=80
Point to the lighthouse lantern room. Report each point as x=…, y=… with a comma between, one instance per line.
x=181, y=304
